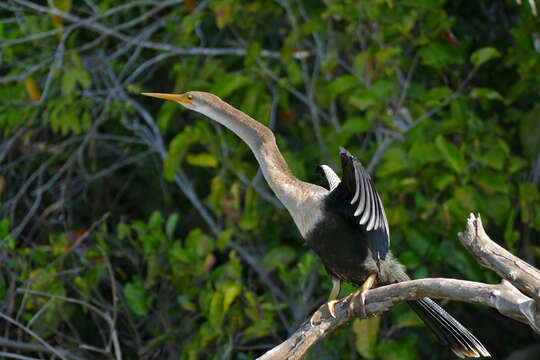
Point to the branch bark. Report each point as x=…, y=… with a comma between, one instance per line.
x=491, y=255
x=515, y=297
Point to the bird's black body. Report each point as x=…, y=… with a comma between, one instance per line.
x=353, y=246
x=340, y=246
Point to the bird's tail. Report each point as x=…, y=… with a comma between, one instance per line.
x=449, y=331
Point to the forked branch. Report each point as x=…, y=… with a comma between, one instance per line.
x=506, y=296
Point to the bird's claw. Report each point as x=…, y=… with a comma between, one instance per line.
x=352, y=310
x=331, y=308
x=317, y=316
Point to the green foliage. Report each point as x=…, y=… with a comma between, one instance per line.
x=366, y=335
x=439, y=98
x=483, y=55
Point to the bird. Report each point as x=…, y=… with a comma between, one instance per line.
x=343, y=220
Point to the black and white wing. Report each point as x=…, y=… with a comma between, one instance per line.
x=330, y=178
x=366, y=204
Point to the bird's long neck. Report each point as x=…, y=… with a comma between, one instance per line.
x=297, y=196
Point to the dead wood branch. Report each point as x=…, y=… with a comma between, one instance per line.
x=506, y=296
x=491, y=255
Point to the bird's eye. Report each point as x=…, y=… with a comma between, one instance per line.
x=190, y=97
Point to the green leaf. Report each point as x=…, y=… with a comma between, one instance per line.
x=122, y=230
x=199, y=242
x=177, y=150
x=438, y=55
x=466, y=195
x=352, y=126
x=529, y=131
x=156, y=220
x=483, y=55
x=250, y=217
x=202, y=160
x=280, y=255
x=485, y=93
x=408, y=319
x=69, y=80
x=230, y=292
x=136, y=297
x=493, y=158
x=393, y=350
x=511, y=236
x=451, y=154
x=216, y=313
x=496, y=207
x=382, y=89
x=171, y=224
x=491, y=181
x=226, y=85
x=443, y=180
x=424, y=153
x=224, y=238
x=410, y=259
x=516, y=164
x=186, y=303
x=366, y=331
x=341, y=85
x=528, y=196
x=417, y=242
x=437, y=95
x=395, y=160
x=363, y=100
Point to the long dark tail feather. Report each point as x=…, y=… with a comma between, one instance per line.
x=449, y=331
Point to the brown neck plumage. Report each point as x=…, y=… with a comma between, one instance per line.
x=300, y=198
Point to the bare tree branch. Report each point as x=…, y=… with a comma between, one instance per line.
x=505, y=297
x=491, y=255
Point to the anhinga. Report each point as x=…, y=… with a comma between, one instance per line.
x=344, y=223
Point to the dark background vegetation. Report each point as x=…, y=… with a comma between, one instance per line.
x=130, y=227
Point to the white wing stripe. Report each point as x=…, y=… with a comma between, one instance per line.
x=367, y=210
x=363, y=196
x=357, y=187
x=374, y=209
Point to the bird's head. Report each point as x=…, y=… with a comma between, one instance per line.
x=193, y=100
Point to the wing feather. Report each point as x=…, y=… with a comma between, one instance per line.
x=369, y=210
x=357, y=188
x=369, y=204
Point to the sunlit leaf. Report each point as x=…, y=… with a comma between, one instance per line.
x=483, y=55
x=279, y=255
x=32, y=89
x=202, y=160
x=451, y=154
x=216, y=311
x=221, y=14
x=341, y=85
x=230, y=292
x=136, y=297
x=366, y=331
x=171, y=224
x=393, y=350
x=485, y=93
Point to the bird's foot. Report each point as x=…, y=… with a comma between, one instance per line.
x=362, y=294
x=351, y=309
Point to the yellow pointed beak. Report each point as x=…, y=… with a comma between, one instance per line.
x=173, y=97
